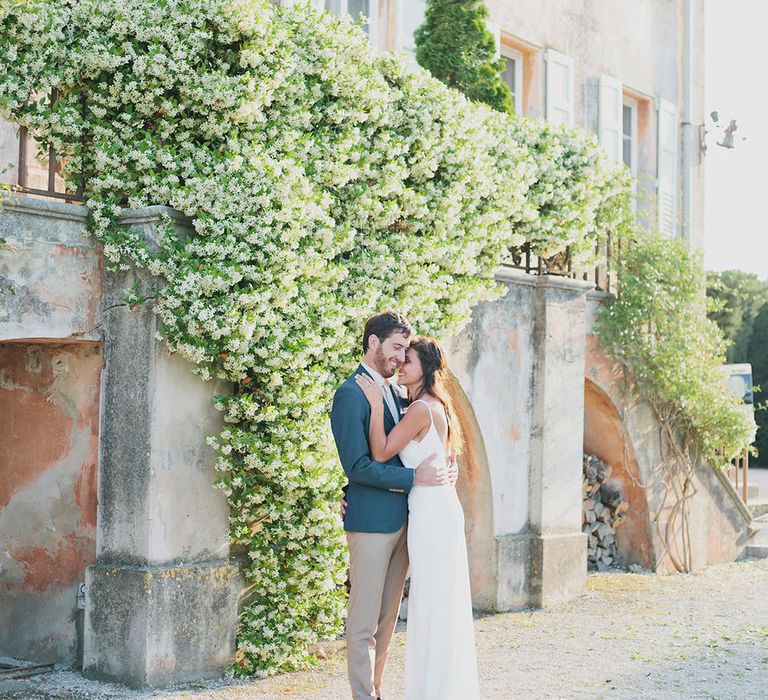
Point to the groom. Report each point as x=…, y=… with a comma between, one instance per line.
x=376, y=505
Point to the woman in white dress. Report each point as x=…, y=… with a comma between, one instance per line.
x=440, y=660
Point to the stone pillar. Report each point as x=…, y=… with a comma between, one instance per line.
x=161, y=600
x=520, y=363
x=558, y=548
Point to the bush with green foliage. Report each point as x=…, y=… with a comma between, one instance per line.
x=658, y=328
x=455, y=45
x=739, y=306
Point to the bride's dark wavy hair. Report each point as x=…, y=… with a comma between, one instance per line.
x=434, y=381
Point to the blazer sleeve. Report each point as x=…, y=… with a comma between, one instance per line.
x=350, y=431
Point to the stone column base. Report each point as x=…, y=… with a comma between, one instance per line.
x=155, y=625
x=513, y=587
x=558, y=568
x=535, y=570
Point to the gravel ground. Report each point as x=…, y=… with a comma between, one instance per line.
x=631, y=636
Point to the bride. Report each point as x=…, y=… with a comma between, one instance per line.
x=440, y=657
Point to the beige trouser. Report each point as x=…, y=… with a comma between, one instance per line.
x=378, y=563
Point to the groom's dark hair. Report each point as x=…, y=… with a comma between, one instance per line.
x=383, y=325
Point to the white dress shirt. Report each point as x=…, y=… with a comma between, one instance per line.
x=385, y=390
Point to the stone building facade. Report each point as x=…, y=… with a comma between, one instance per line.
x=106, y=563
x=617, y=69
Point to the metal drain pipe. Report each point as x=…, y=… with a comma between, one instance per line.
x=687, y=125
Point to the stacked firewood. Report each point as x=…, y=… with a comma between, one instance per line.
x=604, y=508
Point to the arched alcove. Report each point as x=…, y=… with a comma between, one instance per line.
x=49, y=435
x=474, y=489
x=605, y=438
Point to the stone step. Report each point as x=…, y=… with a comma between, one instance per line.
x=753, y=492
x=758, y=535
x=758, y=506
x=757, y=551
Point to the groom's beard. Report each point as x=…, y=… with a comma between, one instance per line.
x=382, y=364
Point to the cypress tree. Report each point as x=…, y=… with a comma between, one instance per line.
x=455, y=45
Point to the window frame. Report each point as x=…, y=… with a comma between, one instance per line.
x=633, y=104
x=402, y=39
x=519, y=57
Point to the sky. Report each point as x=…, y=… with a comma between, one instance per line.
x=736, y=181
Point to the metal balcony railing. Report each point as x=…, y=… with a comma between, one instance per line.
x=603, y=274
x=41, y=176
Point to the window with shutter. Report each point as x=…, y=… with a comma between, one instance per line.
x=513, y=75
x=666, y=168
x=559, y=92
x=609, y=117
x=629, y=133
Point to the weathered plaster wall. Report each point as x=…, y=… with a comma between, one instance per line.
x=162, y=597
x=719, y=522
x=639, y=42
x=519, y=365
x=49, y=403
x=152, y=547
x=492, y=360
x=51, y=278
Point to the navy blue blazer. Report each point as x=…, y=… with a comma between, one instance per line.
x=376, y=492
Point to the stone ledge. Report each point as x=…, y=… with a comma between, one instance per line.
x=598, y=295
x=45, y=208
x=151, y=214
x=516, y=276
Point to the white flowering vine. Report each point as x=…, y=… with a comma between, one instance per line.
x=323, y=182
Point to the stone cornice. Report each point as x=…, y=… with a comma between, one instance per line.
x=598, y=295
x=151, y=214
x=516, y=276
x=45, y=208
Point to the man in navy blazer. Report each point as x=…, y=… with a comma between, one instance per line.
x=376, y=510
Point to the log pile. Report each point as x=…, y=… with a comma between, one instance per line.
x=604, y=508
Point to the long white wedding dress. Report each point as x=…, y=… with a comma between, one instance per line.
x=440, y=660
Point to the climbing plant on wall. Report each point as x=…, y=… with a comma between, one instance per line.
x=322, y=182
x=657, y=327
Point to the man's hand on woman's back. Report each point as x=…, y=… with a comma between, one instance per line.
x=429, y=475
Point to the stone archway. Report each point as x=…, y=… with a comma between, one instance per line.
x=474, y=489
x=605, y=438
